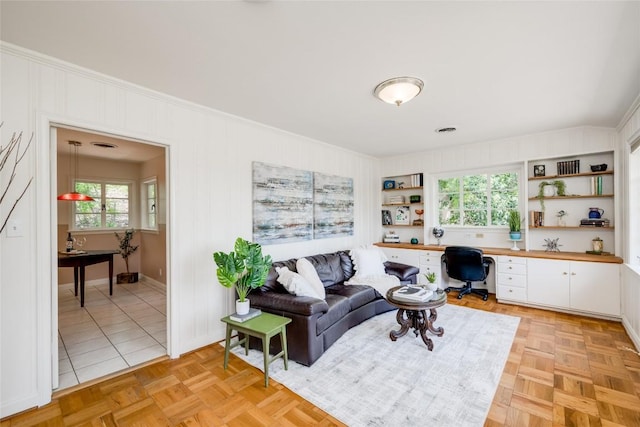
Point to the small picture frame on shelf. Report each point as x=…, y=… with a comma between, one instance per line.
x=389, y=184
x=538, y=170
x=403, y=215
x=386, y=217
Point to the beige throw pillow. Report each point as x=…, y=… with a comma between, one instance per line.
x=295, y=284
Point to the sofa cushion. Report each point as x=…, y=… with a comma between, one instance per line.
x=358, y=295
x=295, y=284
x=329, y=268
x=339, y=307
x=308, y=271
x=271, y=284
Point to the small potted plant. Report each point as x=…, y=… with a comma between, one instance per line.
x=550, y=189
x=245, y=268
x=514, y=225
x=126, y=249
x=561, y=221
x=431, y=281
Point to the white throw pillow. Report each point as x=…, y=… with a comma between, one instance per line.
x=368, y=261
x=295, y=284
x=308, y=271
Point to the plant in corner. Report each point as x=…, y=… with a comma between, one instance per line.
x=126, y=249
x=245, y=268
x=514, y=224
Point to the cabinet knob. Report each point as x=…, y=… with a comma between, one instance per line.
x=573, y=274
x=510, y=268
x=510, y=277
x=564, y=273
x=510, y=260
x=510, y=290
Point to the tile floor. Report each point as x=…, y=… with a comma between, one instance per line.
x=109, y=333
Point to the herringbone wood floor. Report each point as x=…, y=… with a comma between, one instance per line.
x=563, y=370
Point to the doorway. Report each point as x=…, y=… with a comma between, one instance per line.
x=128, y=180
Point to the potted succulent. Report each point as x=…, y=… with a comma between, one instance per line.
x=245, y=268
x=126, y=249
x=550, y=189
x=514, y=222
x=431, y=281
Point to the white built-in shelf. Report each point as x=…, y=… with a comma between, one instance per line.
x=573, y=175
x=401, y=189
x=574, y=227
x=577, y=196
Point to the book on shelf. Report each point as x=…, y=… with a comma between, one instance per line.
x=416, y=180
x=568, y=167
x=412, y=294
x=253, y=312
x=596, y=185
x=536, y=218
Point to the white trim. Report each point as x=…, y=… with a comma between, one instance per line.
x=628, y=114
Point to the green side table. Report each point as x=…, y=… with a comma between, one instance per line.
x=264, y=327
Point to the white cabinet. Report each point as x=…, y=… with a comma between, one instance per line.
x=430, y=262
x=511, y=280
x=548, y=282
x=592, y=287
x=404, y=256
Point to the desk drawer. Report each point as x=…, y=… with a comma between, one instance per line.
x=511, y=293
x=430, y=258
x=512, y=268
x=512, y=259
x=517, y=280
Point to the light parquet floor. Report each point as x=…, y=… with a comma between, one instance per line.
x=563, y=370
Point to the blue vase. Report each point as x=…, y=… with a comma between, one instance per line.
x=515, y=235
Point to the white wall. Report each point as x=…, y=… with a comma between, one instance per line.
x=210, y=156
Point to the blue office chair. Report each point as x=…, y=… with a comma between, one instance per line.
x=467, y=265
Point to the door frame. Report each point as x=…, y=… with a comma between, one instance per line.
x=46, y=252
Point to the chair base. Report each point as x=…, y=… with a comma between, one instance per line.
x=467, y=289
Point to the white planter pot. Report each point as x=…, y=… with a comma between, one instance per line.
x=549, y=190
x=242, y=307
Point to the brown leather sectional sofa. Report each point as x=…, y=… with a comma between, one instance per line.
x=317, y=324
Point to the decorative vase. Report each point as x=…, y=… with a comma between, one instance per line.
x=597, y=245
x=515, y=235
x=242, y=307
x=562, y=222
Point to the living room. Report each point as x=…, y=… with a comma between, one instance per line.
x=211, y=148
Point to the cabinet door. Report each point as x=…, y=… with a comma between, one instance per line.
x=404, y=256
x=548, y=282
x=595, y=287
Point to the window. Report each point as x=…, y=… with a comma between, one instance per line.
x=477, y=200
x=150, y=204
x=110, y=209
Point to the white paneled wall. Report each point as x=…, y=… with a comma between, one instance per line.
x=210, y=157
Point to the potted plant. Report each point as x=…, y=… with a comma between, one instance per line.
x=514, y=225
x=561, y=221
x=245, y=268
x=550, y=189
x=431, y=281
x=126, y=249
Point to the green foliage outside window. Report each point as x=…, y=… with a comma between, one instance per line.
x=477, y=200
x=110, y=209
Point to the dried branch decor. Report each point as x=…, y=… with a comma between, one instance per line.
x=11, y=156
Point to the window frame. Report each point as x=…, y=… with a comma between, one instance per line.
x=144, y=219
x=517, y=169
x=103, y=183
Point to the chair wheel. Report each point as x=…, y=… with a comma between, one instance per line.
x=447, y=290
x=484, y=297
x=459, y=296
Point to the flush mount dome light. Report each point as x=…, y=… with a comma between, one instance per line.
x=398, y=90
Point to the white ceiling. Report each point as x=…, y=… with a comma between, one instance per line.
x=491, y=69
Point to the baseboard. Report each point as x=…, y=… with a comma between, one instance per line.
x=632, y=334
x=158, y=286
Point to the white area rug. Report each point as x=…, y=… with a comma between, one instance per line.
x=365, y=379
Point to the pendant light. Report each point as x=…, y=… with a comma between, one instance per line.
x=74, y=196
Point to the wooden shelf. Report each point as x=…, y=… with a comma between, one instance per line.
x=402, y=189
x=573, y=175
x=402, y=204
x=401, y=225
x=573, y=227
x=577, y=196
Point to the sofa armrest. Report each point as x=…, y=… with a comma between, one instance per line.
x=280, y=302
x=404, y=272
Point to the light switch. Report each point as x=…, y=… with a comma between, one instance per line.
x=14, y=228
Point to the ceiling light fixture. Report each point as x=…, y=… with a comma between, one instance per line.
x=74, y=196
x=104, y=144
x=398, y=90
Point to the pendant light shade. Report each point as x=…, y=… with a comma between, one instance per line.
x=74, y=196
x=398, y=90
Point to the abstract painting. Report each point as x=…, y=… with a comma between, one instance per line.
x=282, y=204
x=332, y=206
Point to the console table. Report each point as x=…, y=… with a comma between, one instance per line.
x=80, y=260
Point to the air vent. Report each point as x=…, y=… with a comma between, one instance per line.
x=446, y=130
x=104, y=145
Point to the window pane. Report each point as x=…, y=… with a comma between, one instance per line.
x=115, y=220
x=450, y=217
x=151, y=220
x=475, y=218
x=151, y=191
x=89, y=188
x=475, y=200
x=449, y=185
x=117, y=206
x=87, y=220
x=151, y=205
x=117, y=191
